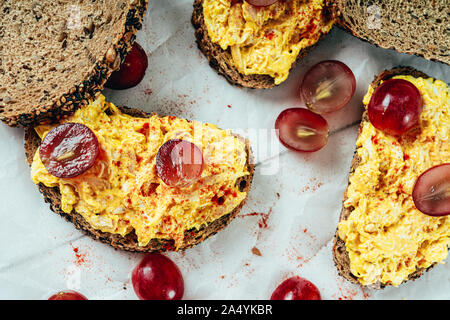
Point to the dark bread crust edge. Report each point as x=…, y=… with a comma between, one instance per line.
x=129, y=242
x=340, y=254
x=219, y=58
x=94, y=82
x=345, y=25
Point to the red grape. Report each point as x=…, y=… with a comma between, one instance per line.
x=431, y=193
x=261, y=3
x=132, y=70
x=157, y=278
x=67, y=295
x=69, y=150
x=179, y=163
x=395, y=107
x=328, y=86
x=302, y=130
x=296, y=288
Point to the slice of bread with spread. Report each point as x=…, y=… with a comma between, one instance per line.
x=382, y=239
x=415, y=27
x=56, y=56
x=256, y=48
x=122, y=201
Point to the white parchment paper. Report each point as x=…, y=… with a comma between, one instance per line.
x=292, y=210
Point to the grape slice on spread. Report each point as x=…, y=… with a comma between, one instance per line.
x=156, y=277
x=395, y=107
x=179, y=163
x=431, y=193
x=328, y=86
x=132, y=70
x=300, y=129
x=69, y=150
x=296, y=288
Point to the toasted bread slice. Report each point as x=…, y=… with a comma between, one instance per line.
x=130, y=241
x=340, y=254
x=219, y=59
x=414, y=27
x=56, y=56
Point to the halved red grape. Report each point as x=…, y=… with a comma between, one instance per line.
x=179, y=163
x=156, y=277
x=300, y=129
x=296, y=288
x=395, y=107
x=132, y=70
x=328, y=86
x=261, y=3
x=67, y=295
x=69, y=150
x=431, y=193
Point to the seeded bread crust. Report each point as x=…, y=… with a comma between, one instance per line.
x=221, y=60
x=55, y=105
x=129, y=242
x=340, y=254
x=414, y=27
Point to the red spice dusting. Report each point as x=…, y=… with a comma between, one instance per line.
x=313, y=186
x=145, y=129
x=79, y=257
x=262, y=223
x=117, y=163
x=148, y=92
x=374, y=140
x=270, y=35
x=405, y=157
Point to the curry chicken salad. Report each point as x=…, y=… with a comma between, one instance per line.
x=265, y=40
x=386, y=237
x=122, y=191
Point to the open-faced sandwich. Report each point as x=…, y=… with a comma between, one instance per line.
x=394, y=223
x=255, y=43
x=137, y=181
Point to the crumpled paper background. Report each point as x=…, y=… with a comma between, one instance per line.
x=292, y=210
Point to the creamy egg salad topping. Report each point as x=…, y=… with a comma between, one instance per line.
x=265, y=40
x=386, y=237
x=122, y=191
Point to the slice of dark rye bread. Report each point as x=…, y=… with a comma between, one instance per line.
x=340, y=254
x=417, y=27
x=129, y=242
x=57, y=55
x=221, y=60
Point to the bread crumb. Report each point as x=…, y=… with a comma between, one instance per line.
x=256, y=251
